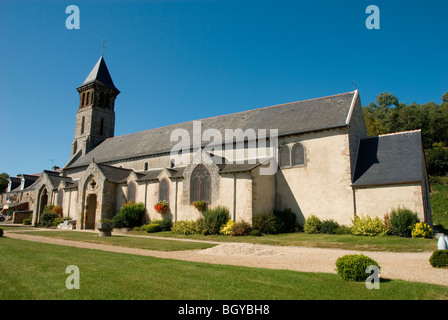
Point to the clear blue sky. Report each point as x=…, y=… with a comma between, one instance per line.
x=176, y=61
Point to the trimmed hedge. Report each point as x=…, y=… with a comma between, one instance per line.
x=353, y=267
x=439, y=259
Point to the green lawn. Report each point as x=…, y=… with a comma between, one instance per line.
x=32, y=270
x=123, y=241
x=342, y=241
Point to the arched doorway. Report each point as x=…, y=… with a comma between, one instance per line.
x=90, y=212
x=43, y=201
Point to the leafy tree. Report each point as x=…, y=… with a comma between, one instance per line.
x=387, y=115
x=3, y=182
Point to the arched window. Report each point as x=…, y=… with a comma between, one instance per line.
x=284, y=157
x=163, y=190
x=145, y=167
x=298, y=155
x=75, y=146
x=200, y=184
x=83, y=99
x=87, y=98
x=132, y=190
x=83, y=120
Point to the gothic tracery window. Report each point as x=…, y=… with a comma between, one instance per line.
x=163, y=190
x=200, y=184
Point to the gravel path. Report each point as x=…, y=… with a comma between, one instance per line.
x=405, y=266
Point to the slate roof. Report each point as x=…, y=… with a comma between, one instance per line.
x=114, y=174
x=390, y=159
x=295, y=117
x=100, y=74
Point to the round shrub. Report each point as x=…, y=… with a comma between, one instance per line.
x=328, y=226
x=213, y=219
x=227, y=228
x=439, y=259
x=367, y=226
x=152, y=227
x=241, y=228
x=186, y=227
x=165, y=224
x=130, y=215
x=422, y=230
x=312, y=225
x=353, y=267
x=266, y=223
x=255, y=233
x=401, y=221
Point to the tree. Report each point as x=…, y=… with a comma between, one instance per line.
x=3, y=182
x=387, y=115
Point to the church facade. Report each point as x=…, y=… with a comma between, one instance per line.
x=311, y=156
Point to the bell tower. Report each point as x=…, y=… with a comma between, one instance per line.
x=95, y=119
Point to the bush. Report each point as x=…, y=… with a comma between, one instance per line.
x=26, y=222
x=353, y=267
x=255, y=233
x=130, y=215
x=266, y=223
x=47, y=219
x=312, y=225
x=152, y=227
x=285, y=221
x=213, y=219
x=422, y=230
x=328, y=226
x=1, y=232
x=343, y=230
x=367, y=226
x=439, y=259
x=242, y=228
x=186, y=227
x=227, y=228
x=165, y=224
x=401, y=221
x=49, y=215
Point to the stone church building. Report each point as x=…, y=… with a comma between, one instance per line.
x=311, y=156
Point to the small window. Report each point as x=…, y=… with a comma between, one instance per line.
x=284, y=157
x=172, y=163
x=200, y=184
x=83, y=99
x=83, y=120
x=298, y=155
x=88, y=97
x=163, y=190
x=145, y=167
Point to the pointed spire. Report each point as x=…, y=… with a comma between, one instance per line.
x=100, y=74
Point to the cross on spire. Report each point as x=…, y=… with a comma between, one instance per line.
x=102, y=48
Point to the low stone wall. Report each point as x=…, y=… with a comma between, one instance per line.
x=19, y=216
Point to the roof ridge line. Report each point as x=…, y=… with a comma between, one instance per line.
x=235, y=113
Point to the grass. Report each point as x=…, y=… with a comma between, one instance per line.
x=110, y=276
x=341, y=241
x=123, y=241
